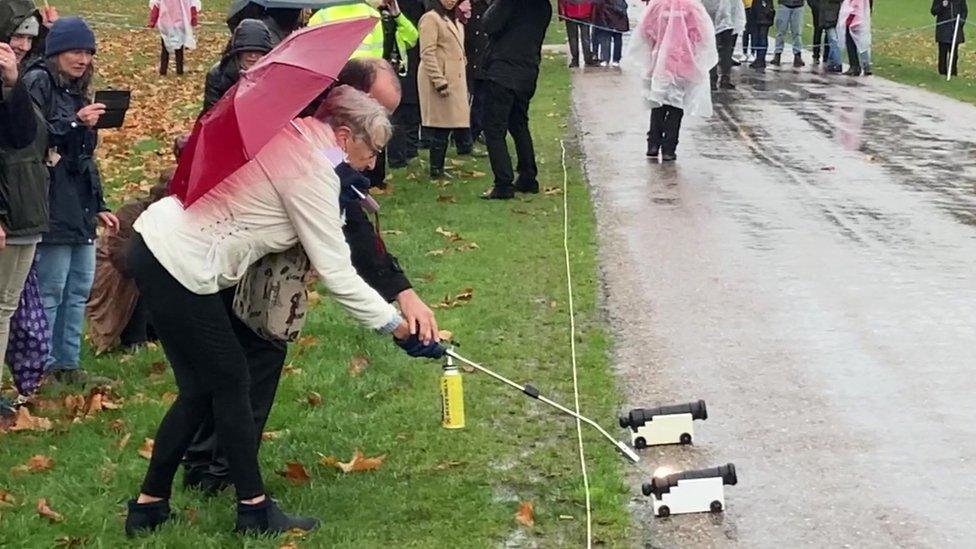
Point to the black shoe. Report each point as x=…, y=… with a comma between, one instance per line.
x=436, y=174
x=267, y=518
x=574, y=64
x=869, y=72
x=530, y=187
x=798, y=61
x=816, y=60
x=592, y=63
x=466, y=151
x=146, y=517
x=726, y=83
x=853, y=71
x=834, y=69
x=653, y=151
x=7, y=408
x=397, y=165
x=668, y=157
x=777, y=59
x=499, y=193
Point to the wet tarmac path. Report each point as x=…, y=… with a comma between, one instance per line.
x=808, y=268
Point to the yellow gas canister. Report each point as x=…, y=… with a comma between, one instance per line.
x=452, y=397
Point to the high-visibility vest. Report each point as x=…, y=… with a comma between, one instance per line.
x=372, y=45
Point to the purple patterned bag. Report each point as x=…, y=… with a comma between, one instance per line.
x=28, y=346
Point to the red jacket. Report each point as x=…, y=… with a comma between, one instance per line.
x=576, y=9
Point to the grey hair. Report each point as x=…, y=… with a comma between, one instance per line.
x=363, y=115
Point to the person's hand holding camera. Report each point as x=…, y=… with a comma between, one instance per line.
x=89, y=114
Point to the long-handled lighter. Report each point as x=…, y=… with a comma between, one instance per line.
x=534, y=393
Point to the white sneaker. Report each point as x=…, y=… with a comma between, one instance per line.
x=615, y=64
x=603, y=63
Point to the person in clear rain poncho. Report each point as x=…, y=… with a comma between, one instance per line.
x=673, y=47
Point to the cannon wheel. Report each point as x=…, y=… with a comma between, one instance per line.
x=716, y=506
x=640, y=443
x=685, y=438
x=664, y=511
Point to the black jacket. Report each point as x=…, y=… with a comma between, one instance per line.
x=829, y=12
x=476, y=41
x=764, y=12
x=375, y=265
x=612, y=14
x=76, y=187
x=516, y=30
x=413, y=10
x=23, y=176
x=250, y=35
x=945, y=16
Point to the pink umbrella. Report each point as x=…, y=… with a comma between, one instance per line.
x=265, y=100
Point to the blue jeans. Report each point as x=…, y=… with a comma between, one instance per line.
x=65, y=274
x=791, y=20
x=833, y=48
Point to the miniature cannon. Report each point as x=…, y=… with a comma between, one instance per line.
x=699, y=491
x=664, y=425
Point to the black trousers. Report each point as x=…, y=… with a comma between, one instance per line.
x=760, y=44
x=507, y=111
x=405, y=142
x=944, y=49
x=138, y=330
x=579, y=33
x=725, y=42
x=819, y=36
x=438, y=147
x=477, y=88
x=265, y=361
x=164, y=60
x=853, y=59
x=750, y=30
x=665, y=127
x=211, y=372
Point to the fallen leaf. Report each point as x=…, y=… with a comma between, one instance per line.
x=313, y=298
x=449, y=303
x=158, y=367
x=452, y=236
x=168, y=397
x=357, y=364
x=44, y=509
x=307, y=341
x=567, y=517
x=26, y=422
x=272, y=435
x=437, y=252
x=6, y=499
x=468, y=246
x=314, y=399
x=191, y=515
x=466, y=295
x=476, y=174
x=358, y=463
x=296, y=473
x=526, y=514
x=448, y=465
x=35, y=464
x=291, y=370
x=147, y=448
x=69, y=542
x=289, y=545
x=446, y=199
x=391, y=232
x=117, y=425
x=124, y=441
x=552, y=191
x=445, y=335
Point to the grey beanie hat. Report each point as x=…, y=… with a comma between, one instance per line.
x=29, y=27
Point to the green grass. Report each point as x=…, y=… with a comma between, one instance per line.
x=910, y=56
x=437, y=488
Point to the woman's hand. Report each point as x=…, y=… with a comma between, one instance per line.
x=419, y=317
x=444, y=91
x=109, y=221
x=8, y=65
x=89, y=115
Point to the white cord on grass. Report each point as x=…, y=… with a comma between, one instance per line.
x=572, y=347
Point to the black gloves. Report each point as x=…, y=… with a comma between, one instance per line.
x=417, y=349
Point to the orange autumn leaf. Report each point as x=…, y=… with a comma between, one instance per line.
x=271, y=435
x=35, y=464
x=117, y=425
x=124, y=441
x=44, y=509
x=146, y=450
x=6, y=499
x=307, y=341
x=357, y=464
x=296, y=473
x=357, y=364
x=526, y=514
x=445, y=335
x=26, y=422
x=314, y=399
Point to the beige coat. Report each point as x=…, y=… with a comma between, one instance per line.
x=441, y=79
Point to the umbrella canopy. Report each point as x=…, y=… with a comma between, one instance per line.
x=265, y=100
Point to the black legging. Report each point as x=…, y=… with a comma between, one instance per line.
x=819, y=36
x=164, y=60
x=944, y=49
x=211, y=375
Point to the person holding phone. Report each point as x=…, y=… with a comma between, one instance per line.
x=60, y=85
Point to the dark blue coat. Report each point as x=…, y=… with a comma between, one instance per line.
x=76, y=186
